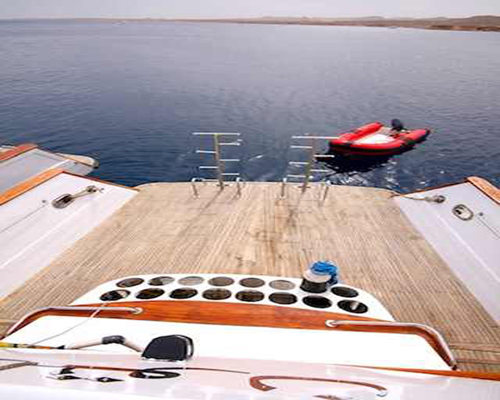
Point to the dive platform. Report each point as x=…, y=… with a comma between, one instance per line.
x=272, y=229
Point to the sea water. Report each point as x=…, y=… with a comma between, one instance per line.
x=131, y=93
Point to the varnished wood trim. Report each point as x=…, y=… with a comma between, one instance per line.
x=165, y=368
x=487, y=188
x=482, y=184
x=29, y=184
x=201, y=312
x=91, y=178
x=22, y=148
x=405, y=330
x=256, y=383
x=80, y=160
x=490, y=376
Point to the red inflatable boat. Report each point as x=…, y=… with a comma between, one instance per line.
x=375, y=139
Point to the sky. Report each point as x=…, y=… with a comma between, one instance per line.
x=244, y=8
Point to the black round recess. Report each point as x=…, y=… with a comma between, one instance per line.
x=216, y=294
x=250, y=296
x=283, y=298
x=114, y=295
x=344, y=291
x=129, y=282
x=183, y=293
x=317, y=301
x=353, y=306
x=149, y=293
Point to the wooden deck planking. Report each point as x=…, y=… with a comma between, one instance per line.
x=166, y=230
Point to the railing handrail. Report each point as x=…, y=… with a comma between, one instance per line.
x=311, y=160
x=431, y=335
x=216, y=152
x=26, y=317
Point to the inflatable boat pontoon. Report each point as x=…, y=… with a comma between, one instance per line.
x=375, y=139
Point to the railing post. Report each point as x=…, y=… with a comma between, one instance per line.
x=283, y=188
x=193, y=185
x=219, y=162
x=309, y=165
x=327, y=185
x=239, y=183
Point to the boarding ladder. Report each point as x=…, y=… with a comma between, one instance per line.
x=219, y=162
x=310, y=145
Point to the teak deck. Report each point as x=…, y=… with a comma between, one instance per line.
x=165, y=229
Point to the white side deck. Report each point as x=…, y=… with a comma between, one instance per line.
x=33, y=232
x=469, y=242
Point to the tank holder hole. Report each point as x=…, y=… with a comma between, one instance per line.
x=283, y=298
x=281, y=284
x=129, y=282
x=317, y=301
x=344, y=291
x=216, y=294
x=114, y=295
x=150, y=293
x=250, y=296
x=183, y=293
x=353, y=306
x=221, y=281
x=161, y=280
x=191, y=280
x=252, y=282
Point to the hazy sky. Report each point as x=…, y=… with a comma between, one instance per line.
x=236, y=8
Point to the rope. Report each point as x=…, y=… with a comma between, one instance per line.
x=430, y=199
x=103, y=305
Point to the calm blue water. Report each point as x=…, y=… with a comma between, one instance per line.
x=131, y=94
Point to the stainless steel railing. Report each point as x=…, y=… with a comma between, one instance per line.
x=219, y=162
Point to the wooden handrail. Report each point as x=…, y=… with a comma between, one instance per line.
x=11, y=153
x=432, y=336
x=489, y=376
x=28, y=184
x=487, y=188
x=204, y=312
x=91, y=310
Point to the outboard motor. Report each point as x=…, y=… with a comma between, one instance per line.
x=397, y=125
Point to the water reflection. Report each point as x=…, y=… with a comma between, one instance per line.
x=343, y=164
x=361, y=171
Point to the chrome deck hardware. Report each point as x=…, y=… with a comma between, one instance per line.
x=66, y=199
x=193, y=185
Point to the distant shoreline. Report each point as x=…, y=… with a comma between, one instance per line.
x=483, y=23
x=477, y=24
